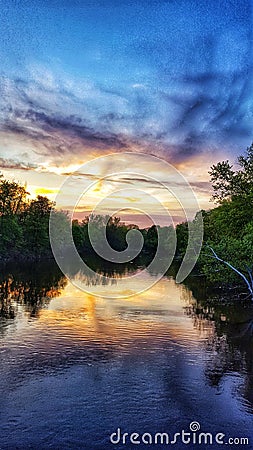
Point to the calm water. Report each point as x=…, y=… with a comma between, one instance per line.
x=75, y=368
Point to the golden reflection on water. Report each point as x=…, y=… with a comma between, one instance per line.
x=154, y=316
x=48, y=324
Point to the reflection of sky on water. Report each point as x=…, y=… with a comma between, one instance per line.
x=86, y=365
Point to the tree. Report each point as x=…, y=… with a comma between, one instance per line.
x=36, y=224
x=182, y=238
x=246, y=277
x=12, y=204
x=78, y=234
x=228, y=183
x=12, y=197
x=228, y=228
x=152, y=239
x=11, y=234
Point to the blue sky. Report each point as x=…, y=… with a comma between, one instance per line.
x=84, y=78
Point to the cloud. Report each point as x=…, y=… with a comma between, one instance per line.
x=12, y=164
x=219, y=110
x=65, y=121
x=133, y=180
x=49, y=120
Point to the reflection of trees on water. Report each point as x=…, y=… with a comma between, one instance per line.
x=226, y=326
x=231, y=351
x=32, y=286
x=99, y=272
x=229, y=340
x=7, y=308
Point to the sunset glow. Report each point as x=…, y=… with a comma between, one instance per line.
x=128, y=89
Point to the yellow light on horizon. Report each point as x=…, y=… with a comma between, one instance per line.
x=46, y=191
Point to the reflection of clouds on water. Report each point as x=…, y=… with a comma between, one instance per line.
x=166, y=323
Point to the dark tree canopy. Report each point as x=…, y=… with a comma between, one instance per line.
x=228, y=183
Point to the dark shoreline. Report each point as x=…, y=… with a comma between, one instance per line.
x=18, y=257
x=226, y=293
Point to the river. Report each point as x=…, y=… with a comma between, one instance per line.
x=77, y=368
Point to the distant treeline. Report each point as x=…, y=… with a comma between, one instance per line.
x=24, y=226
x=116, y=232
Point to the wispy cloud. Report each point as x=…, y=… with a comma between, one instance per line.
x=16, y=165
x=66, y=121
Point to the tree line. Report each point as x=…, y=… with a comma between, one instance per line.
x=24, y=226
x=24, y=223
x=227, y=252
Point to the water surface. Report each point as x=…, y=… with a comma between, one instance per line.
x=75, y=367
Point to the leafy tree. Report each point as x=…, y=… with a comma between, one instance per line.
x=182, y=238
x=228, y=183
x=227, y=256
x=152, y=239
x=237, y=255
x=12, y=197
x=12, y=204
x=78, y=234
x=11, y=234
x=36, y=224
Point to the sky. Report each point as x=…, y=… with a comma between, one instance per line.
x=84, y=79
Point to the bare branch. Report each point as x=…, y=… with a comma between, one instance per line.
x=248, y=283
